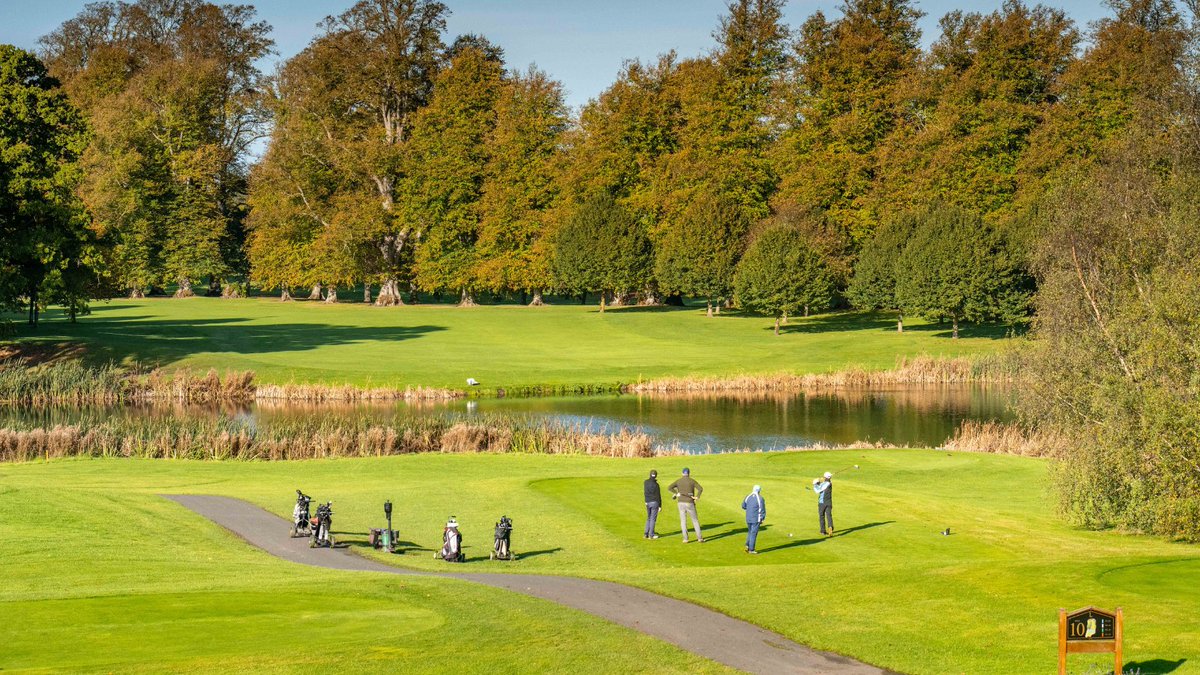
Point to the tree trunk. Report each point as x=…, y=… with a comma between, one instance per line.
x=389, y=294
x=367, y=293
x=465, y=299
x=185, y=289
x=900, y=322
x=806, y=311
x=284, y=294
x=413, y=298
x=618, y=299
x=331, y=296
x=537, y=300
x=316, y=292
x=709, y=312
x=649, y=299
x=603, y=297
x=954, y=319
x=33, y=305
x=785, y=317
x=230, y=291
x=777, y=325
x=136, y=293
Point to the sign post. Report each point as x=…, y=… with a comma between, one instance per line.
x=1090, y=631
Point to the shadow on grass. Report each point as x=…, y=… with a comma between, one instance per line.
x=1153, y=666
x=159, y=342
x=703, y=526
x=533, y=554
x=856, y=528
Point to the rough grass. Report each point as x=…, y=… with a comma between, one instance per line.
x=562, y=348
x=889, y=589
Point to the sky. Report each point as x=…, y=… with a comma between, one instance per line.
x=582, y=44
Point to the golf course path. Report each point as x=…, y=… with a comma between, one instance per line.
x=690, y=627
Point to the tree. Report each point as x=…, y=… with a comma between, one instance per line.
x=44, y=242
x=782, y=274
x=171, y=90
x=600, y=248
x=719, y=179
x=446, y=169
x=879, y=266
x=958, y=266
x=520, y=185
x=844, y=98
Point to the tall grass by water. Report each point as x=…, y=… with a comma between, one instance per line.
x=986, y=368
x=229, y=438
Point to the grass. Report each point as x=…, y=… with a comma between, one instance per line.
x=88, y=540
x=563, y=347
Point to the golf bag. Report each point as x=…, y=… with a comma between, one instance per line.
x=500, y=547
x=451, y=543
x=301, y=527
x=321, y=524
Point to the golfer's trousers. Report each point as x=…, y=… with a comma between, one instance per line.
x=751, y=534
x=686, y=510
x=651, y=517
x=825, y=513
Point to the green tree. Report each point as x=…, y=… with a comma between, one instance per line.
x=844, y=98
x=782, y=274
x=520, y=185
x=876, y=272
x=600, y=248
x=171, y=91
x=44, y=242
x=957, y=266
x=447, y=166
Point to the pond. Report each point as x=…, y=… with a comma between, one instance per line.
x=918, y=416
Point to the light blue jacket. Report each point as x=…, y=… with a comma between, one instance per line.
x=755, y=507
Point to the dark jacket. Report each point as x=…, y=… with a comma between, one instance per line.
x=687, y=489
x=651, y=491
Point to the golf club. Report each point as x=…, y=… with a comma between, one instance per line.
x=852, y=466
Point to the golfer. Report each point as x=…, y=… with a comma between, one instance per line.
x=756, y=510
x=653, y=496
x=824, y=490
x=686, y=491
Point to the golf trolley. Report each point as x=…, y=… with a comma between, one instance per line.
x=451, y=550
x=321, y=524
x=301, y=527
x=500, y=546
x=385, y=539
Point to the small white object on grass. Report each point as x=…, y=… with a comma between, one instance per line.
x=472, y=382
x=789, y=535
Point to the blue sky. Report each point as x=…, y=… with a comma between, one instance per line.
x=580, y=43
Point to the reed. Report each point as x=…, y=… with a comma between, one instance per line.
x=1007, y=439
x=996, y=369
x=226, y=438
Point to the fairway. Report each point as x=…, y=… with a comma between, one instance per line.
x=501, y=346
x=92, y=540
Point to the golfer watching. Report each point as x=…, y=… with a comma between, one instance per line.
x=687, y=491
x=756, y=510
x=653, y=496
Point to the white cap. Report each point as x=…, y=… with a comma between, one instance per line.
x=816, y=480
x=757, y=488
x=828, y=475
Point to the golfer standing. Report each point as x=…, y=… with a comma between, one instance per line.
x=653, y=496
x=686, y=491
x=756, y=510
x=824, y=490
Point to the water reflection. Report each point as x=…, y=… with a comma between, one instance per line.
x=922, y=416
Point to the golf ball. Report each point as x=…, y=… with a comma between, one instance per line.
x=789, y=534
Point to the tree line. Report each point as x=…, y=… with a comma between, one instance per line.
x=781, y=171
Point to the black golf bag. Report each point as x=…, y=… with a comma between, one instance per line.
x=451, y=543
x=301, y=527
x=321, y=524
x=500, y=547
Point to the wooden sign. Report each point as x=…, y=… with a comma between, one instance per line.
x=1089, y=631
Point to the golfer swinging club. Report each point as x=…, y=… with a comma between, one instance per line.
x=686, y=491
x=824, y=490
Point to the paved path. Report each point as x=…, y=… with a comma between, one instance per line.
x=707, y=633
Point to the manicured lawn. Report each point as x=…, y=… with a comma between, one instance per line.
x=90, y=541
x=500, y=346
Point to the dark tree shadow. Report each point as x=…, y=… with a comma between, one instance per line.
x=161, y=342
x=1152, y=666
